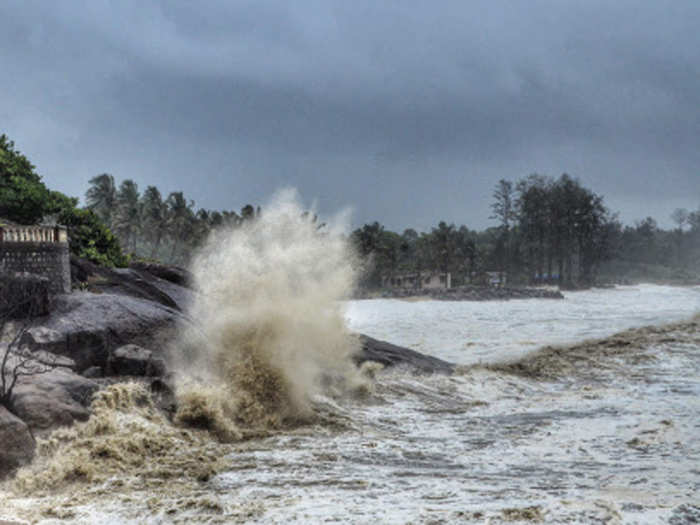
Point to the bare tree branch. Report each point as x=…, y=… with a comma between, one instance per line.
x=17, y=313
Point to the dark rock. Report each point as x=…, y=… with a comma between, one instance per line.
x=17, y=444
x=129, y=360
x=87, y=326
x=167, y=285
x=173, y=274
x=93, y=372
x=133, y=360
x=392, y=355
x=56, y=398
x=163, y=395
x=157, y=367
x=473, y=293
x=24, y=296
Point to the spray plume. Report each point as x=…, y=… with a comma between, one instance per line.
x=272, y=331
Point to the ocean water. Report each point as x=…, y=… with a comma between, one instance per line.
x=596, y=433
x=467, y=332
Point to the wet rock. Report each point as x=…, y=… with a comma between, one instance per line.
x=133, y=360
x=474, y=293
x=392, y=355
x=55, y=398
x=17, y=444
x=93, y=372
x=173, y=274
x=163, y=394
x=132, y=282
x=86, y=326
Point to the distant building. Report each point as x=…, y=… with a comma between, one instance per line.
x=495, y=279
x=418, y=280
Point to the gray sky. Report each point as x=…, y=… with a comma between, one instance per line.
x=407, y=111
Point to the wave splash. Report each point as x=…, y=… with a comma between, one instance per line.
x=271, y=329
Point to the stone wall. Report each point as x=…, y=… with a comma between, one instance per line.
x=41, y=251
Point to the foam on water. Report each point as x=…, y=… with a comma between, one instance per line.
x=601, y=431
x=468, y=332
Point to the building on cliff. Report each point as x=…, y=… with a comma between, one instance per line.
x=40, y=251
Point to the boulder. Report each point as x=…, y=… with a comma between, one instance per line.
x=86, y=327
x=166, y=285
x=55, y=398
x=18, y=445
x=133, y=360
x=392, y=355
x=93, y=372
x=173, y=274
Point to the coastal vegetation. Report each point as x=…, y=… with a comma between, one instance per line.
x=151, y=226
x=547, y=231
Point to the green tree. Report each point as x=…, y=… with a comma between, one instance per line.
x=179, y=220
x=126, y=217
x=23, y=196
x=101, y=197
x=91, y=239
x=154, y=214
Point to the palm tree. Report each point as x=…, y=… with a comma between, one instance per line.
x=127, y=217
x=179, y=215
x=154, y=214
x=101, y=197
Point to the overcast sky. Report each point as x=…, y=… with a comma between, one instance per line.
x=408, y=111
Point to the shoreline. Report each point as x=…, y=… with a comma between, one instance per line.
x=463, y=293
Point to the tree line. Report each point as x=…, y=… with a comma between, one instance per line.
x=549, y=231
x=116, y=220
x=151, y=226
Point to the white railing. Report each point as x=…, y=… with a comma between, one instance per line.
x=33, y=234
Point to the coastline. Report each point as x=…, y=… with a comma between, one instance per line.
x=462, y=293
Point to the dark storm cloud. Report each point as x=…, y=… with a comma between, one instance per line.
x=407, y=111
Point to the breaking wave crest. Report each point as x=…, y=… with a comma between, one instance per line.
x=598, y=357
x=126, y=436
x=271, y=330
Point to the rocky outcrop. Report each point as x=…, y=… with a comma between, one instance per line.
x=151, y=282
x=173, y=274
x=392, y=355
x=87, y=327
x=133, y=360
x=120, y=329
x=473, y=293
x=55, y=398
x=16, y=443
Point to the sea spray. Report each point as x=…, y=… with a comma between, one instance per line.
x=271, y=331
x=270, y=348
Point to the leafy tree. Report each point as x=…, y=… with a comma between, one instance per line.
x=247, y=212
x=91, y=239
x=23, y=196
x=503, y=207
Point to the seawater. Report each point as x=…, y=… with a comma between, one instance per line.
x=466, y=332
x=608, y=433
